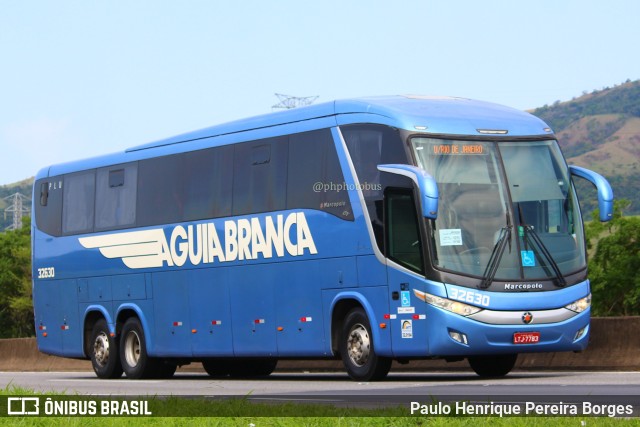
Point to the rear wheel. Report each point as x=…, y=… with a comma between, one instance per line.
x=493, y=366
x=133, y=351
x=358, y=351
x=104, y=352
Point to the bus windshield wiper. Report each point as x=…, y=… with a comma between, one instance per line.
x=496, y=256
x=559, y=279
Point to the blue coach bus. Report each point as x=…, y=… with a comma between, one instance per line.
x=371, y=230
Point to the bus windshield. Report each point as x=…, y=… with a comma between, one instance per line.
x=506, y=210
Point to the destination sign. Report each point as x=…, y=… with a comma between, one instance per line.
x=459, y=149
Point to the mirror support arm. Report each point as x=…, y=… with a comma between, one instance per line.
x=605, y=193
x=426, y=185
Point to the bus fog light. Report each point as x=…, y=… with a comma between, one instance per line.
x=581, y=333
x=458, y=337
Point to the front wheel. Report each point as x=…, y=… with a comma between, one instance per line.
x=104, y=352
x=357, y=349
x=493, y=366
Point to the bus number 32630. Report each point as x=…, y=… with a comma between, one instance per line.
x=470, y=297
x=46, y=273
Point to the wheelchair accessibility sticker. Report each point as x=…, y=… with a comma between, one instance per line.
x=528, y=258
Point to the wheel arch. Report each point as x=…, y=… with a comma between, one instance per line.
x=92, y=314
x=341, y=305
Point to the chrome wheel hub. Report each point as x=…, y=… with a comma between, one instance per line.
x=358, y=345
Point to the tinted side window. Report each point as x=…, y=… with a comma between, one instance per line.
x=370, y=146
x=403, y=232
x=208, y=183
x=78, y=203
x=260, y=176
x=48, y=213
x=116, y=189
x=160, y=190
x=315, y=177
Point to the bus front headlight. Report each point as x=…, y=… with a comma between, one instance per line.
x=456, y=307
x=580, y=305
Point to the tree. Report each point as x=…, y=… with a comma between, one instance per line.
x=16, y=306
x=614, y=270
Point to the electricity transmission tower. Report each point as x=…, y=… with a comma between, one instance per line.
x=289, y=102
x=19, y=209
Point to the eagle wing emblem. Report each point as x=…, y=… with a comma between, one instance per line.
x=137, y=249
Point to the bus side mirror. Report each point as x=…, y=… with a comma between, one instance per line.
x=426, y=185
x=605, y=193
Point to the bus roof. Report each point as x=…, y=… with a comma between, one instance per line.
x=425, y=114
x=438, y=115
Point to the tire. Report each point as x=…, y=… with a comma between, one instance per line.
x=133, y=351
x=357, y=349
x=105, y=358
x=493, y=366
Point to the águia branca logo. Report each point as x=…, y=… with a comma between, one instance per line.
x=243, y=239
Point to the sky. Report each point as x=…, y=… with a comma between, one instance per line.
x=84, y=78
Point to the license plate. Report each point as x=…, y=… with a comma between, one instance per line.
x=526, y=337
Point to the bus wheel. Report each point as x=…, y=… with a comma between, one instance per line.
x=133, y=351
x=104, y=352
x=357, y=349
x=493, y=366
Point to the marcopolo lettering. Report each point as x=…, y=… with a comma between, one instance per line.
x=522, y=286
x=241, y=239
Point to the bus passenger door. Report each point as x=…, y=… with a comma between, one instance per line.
x=403, y=246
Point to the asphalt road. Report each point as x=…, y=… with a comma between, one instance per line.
x=337, y=388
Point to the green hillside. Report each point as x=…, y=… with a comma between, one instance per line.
x=601, y=131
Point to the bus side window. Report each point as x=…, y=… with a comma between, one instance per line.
x=315, y=178
x=116, y=190
x=48, y=214
x=260, y=176
x=78, y=202
x=208, y=183
x=160, y=190
x=403, y=232
x=369, y=146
